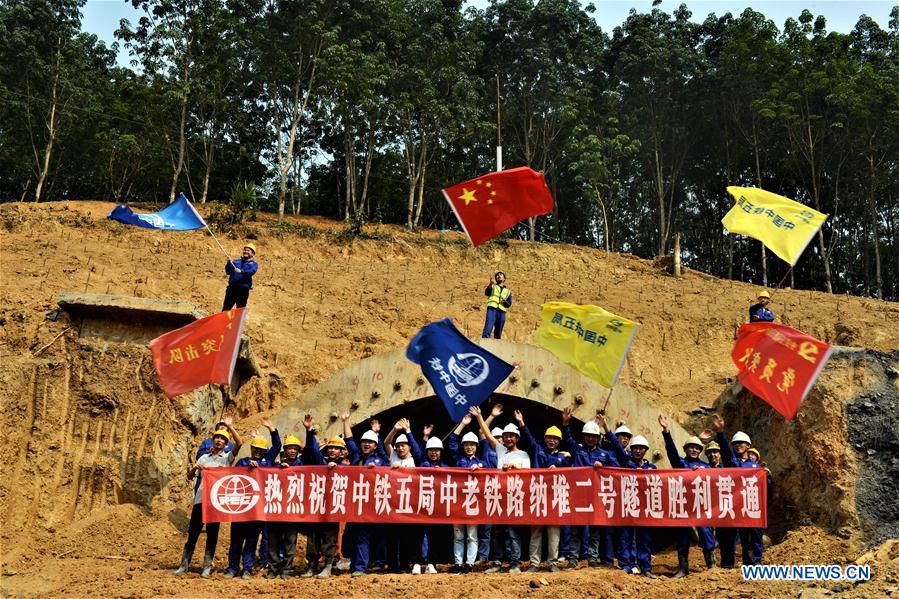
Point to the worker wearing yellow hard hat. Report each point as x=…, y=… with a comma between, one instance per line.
x=759, y=311
x=546, y=455
x=282, y=536
x=240, y=278
x=218, y=456
x=242, y=559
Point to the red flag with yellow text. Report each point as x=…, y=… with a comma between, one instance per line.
x=491, y=204
x=201, y=353
x=779, y=364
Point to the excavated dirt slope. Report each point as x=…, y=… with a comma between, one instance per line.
x=93, y=495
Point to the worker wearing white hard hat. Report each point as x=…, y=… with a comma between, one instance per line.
x=624, y=435
x=403, y=540
x=429, y=533
x=359, y=538
x=735, y=454
x=634, y=547
x=691, y=461
x=588, y=453
x=465, y=536
x=509, y=457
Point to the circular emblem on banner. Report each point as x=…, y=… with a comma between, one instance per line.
x=152, y=220
x=234, y=494
x=468, y=369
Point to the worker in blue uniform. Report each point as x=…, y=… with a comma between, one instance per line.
x=245, y=535
x=465, y=536
x=546, y=455
x=760, y=312
x=736, y=454
x=358, y=538
x=240, y=278
x=634, y=547
x=589, y=453
x=690, y=460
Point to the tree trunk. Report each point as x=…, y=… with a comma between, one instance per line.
x=182, y=136
x=677, y=262
x=605, y=220
x=758, y=178
x=821, y=246
x=875, y=234
x=51, y=130
x=207, y=173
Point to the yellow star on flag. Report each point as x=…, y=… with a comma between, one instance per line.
x=468, y=196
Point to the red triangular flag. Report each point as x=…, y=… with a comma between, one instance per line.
x=201, y=353
x=491, y=204
x=778, y=364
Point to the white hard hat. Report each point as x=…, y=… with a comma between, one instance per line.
x=639, y=441
x=511, y=428
x=694, y=440
x=401, y=439
x=590, y=428
x=623, y=430
x=496, y=432
x=470, y=438
x=370, y=436
x=434, y=443
x=741, y=437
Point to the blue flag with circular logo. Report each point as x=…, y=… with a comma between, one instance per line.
x=180, y=215
x=462, y=373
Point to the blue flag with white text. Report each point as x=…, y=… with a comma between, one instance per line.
x=180, y=215
x=462, y=373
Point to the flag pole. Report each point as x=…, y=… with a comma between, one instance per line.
x=224, y=251
x=499, y=135
x=608, y=397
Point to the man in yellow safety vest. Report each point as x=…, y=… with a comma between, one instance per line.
x=499, y=299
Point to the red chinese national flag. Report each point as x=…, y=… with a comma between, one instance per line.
x=201, y=353
x=491, y=204
x=778, y=364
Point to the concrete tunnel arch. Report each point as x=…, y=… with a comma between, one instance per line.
x=377, y=384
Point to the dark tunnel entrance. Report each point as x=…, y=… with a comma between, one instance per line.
x=430, y=410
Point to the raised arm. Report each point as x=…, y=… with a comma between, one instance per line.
x=275, y=450
x=621, y=456
x=670, y=447
x=312, y=454
x=485, y=428
x=235, y=437
x=388, y=440
x=494, y=413
x=727, y=454
x=567, y=438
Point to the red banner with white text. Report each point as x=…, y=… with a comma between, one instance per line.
x=607, y=496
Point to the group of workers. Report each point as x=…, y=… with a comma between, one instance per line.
x=411, y=548
x=474, y=443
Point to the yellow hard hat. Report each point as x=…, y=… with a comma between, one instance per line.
x=259, y=443
x=336, y=442
x=712, y=446
x=292, y=440
x=758, y=456
x=764, y=294
x=222, y=433
x=251, y=246
x=553, y=431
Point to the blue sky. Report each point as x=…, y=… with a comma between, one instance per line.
x=102, y=17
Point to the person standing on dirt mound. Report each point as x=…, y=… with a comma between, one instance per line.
x=217, y=457
x=499, y=299
x=692, y=448
x=759, y=312
x=240, y=278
